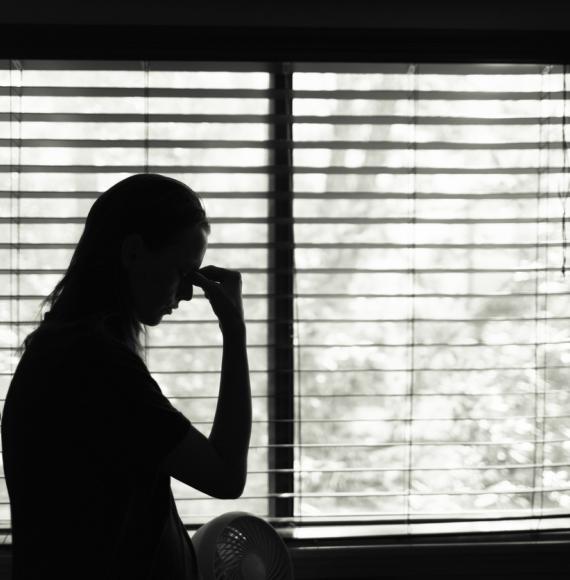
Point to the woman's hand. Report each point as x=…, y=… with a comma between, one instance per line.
x=222, y=288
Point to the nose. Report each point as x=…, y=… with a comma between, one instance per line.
x=186, y=292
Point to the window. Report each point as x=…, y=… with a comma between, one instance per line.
x=400, y=230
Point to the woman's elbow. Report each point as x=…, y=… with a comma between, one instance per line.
x=237, y=490
x=230, y=493
x=233, y=488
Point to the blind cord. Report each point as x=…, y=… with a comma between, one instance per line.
x=146, y=67
x=535, y=471
x=16, y=83
x=298, y=372
x=296, y=330
x=146, y=155
x=541, y=388
x=563, y=189
x=413, y=71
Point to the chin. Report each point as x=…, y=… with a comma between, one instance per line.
x=156, y=321
x=152, y=320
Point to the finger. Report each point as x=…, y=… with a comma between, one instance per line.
x=218, y=274
x=202, y=282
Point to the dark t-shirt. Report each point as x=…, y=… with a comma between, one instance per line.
x=84, y=428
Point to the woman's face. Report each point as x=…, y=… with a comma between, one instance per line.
x=158, y=280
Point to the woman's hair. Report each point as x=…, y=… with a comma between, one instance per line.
x=94, y=289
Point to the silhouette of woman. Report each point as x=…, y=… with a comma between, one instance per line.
x=89, y=441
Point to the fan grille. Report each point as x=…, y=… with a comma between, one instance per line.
x=250, y=544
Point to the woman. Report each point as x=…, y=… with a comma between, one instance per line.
x=88, y=439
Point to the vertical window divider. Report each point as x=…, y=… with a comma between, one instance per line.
x=281, y=424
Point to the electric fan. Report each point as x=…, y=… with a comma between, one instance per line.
x=241, y=546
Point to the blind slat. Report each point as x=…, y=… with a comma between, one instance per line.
x=446, y=492
x=29, y=117
x=137, y=92
x=315, y=220
x=336, y=296
x=407, y=321
x=388, y=371
x=327, y=246
x=281, y=144
x=418, y=196
x=433, y=271
x=361, y=94
x=269, y=169
x=360, y=68
x=440, y=69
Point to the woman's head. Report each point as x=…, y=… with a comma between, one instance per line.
x=139, y=236
x=159, y=279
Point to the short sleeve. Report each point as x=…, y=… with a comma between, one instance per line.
x=122, y=414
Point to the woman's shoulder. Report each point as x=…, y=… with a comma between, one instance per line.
x=81, y=338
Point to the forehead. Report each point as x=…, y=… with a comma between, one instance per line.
x=190, y=245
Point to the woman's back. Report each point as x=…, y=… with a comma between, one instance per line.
x=84, y=429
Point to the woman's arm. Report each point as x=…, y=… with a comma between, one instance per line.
x=217, y=465
x=231, y=431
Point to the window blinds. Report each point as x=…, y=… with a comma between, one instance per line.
x=432, y=314
x=72, y=129
x=399, y=228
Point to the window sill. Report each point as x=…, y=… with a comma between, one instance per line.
x=526, y=555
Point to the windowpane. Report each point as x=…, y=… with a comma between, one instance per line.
x=78, y=142
x=432, y=313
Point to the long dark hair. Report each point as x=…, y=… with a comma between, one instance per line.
x=94, y=289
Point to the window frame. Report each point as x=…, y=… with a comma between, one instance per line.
x=282, y=44
x=402, y=556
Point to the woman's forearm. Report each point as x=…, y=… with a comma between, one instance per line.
x=231, y=432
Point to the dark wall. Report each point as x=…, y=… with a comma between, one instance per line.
x=381, y=14
x=288, y=30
